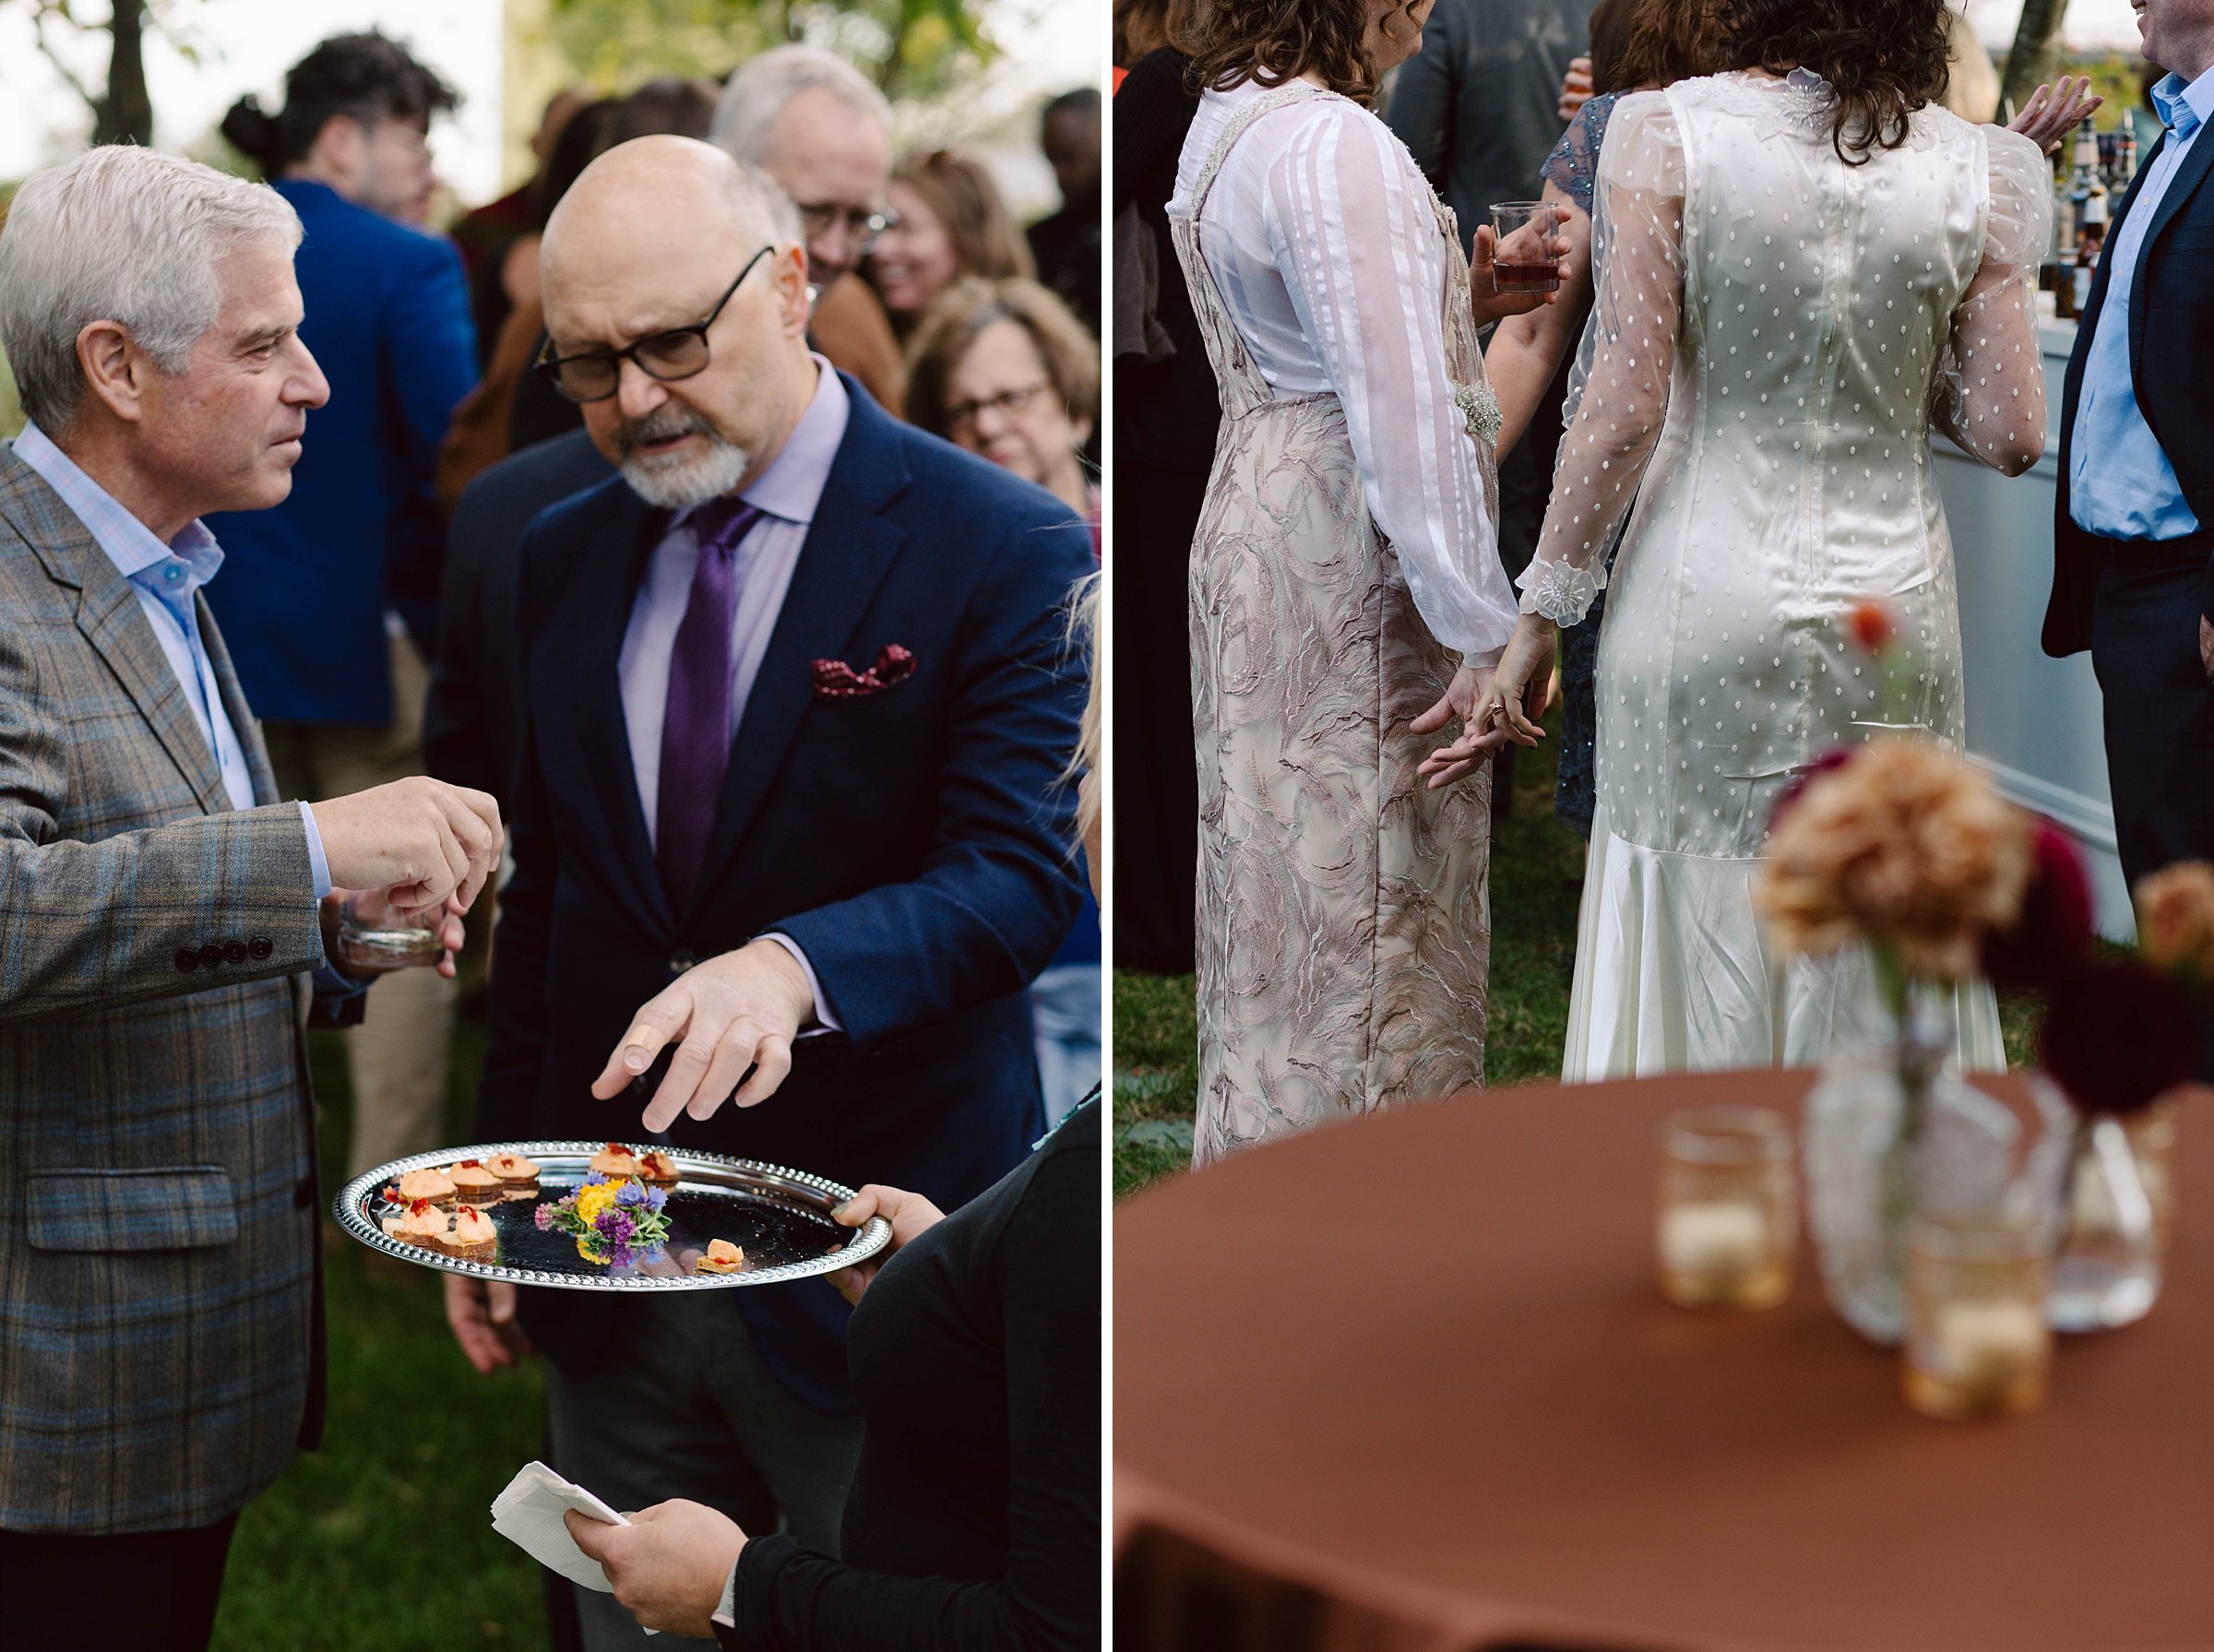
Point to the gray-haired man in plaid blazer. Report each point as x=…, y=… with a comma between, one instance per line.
x=163, y=915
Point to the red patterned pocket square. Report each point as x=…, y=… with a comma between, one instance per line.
x=835, y=680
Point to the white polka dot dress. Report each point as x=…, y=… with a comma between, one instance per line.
x=1774, y=333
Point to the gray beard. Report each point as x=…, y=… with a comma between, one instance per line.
x=678, y=484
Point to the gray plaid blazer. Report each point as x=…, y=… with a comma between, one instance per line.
x=161, y=1334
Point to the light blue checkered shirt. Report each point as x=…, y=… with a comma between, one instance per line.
x=164, y=577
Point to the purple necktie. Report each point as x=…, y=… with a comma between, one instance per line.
x=696, y=723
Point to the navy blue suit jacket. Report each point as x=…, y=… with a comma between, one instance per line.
x=2171, y=329
x=303, y=599
x=914, y=842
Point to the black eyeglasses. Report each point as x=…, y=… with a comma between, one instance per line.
x=596, y=375
x=865, y=229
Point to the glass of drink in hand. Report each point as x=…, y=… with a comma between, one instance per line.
x=1522, y=256
x=388, y=940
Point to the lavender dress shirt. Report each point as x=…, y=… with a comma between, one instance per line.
x=786, y=493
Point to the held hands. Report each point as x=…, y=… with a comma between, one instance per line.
x=910, y=1215
x=419, y=840
x=482, y=1312
x=668, y=1566
x=2054, y=111
x=737, y=1011
x=1495, y=706
x=1462, y=696
x=1537, y=242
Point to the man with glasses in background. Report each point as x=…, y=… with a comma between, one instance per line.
x=332, y=602
x=790, y=836
x=818, y=126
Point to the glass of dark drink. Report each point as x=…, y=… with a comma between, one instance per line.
x=1522, y=256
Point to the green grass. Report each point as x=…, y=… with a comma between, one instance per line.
x=383, y=1540
x=1537, y=881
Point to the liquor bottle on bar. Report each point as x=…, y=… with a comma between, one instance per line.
x=2060, y=278
x=2125, y=164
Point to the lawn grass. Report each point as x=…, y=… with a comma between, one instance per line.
x=1537, y=882
x=382, y=1541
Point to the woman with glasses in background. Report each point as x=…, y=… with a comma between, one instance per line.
x=1003, y=369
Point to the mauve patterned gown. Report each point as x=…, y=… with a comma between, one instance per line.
x=1349, y=536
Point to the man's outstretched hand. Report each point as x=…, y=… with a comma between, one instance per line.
x=738, y=1011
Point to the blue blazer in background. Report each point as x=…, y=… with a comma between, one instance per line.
x=302, y=598
x=915, y=842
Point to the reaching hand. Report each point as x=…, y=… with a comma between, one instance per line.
x=2054, y=111
x=2205, y=645
x=668, y=1566
x=419, y=840
x=1539, y=241
x=738, y=1011
x=1462, y=696
x=1575, y=88
x=482, y=1313
x=910, y=1215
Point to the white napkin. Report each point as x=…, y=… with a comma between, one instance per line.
x=528, y=1513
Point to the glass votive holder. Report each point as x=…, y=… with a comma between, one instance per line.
x=1977, y=1342
x=395, y=945
x=1728, y=1208
x=1527, y=265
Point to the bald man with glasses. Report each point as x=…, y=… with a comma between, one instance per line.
x=789, y=834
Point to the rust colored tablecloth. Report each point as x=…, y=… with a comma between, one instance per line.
x=1404, y=1384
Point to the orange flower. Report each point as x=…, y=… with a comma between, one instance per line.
x=1872, y=626
x=1905, y=845
x=2175, y=920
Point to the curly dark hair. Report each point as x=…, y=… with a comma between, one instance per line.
x=1884, y=59
x=1271, y=42
x=1656, y=43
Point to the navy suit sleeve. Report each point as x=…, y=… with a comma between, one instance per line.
x=429, y=365
x=516, y=1057
x=998, y=889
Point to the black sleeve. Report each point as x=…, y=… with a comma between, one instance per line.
x=792, y=1599
x=1153, y=113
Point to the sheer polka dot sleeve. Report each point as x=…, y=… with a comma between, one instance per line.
x=1618, y=392
x=1989, y=395
x=1351, y=226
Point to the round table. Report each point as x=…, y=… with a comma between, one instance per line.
x=1406, y=1383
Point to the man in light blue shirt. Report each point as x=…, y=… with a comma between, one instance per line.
x=164, y=912
x=2134, y=527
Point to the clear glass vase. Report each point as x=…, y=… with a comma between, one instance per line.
x=2107, y=1270
x=1891, y=1129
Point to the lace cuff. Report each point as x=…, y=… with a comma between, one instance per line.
x=1561, y=591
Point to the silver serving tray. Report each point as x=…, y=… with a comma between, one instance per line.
x=779, y=1218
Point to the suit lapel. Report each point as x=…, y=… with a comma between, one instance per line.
x=2181, y=188
x=108, y=615
x=242, y=722
x=850, y=547
x=592, y=629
